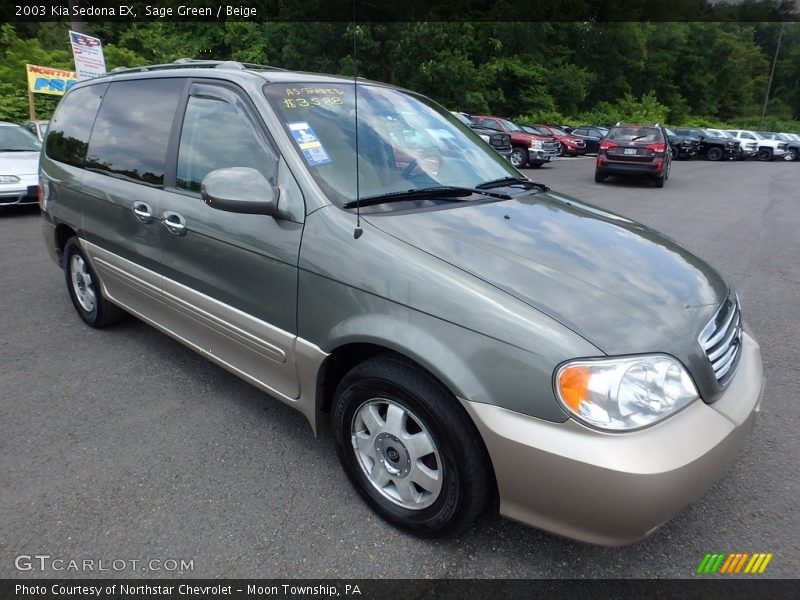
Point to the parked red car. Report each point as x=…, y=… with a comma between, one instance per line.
x=571, y=145
x=528, y=148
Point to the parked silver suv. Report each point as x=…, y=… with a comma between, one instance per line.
x=464, y=331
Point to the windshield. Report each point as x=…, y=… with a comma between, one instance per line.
x=465, y=119
x=16, y=139
x=405, y=141
x=510, y=126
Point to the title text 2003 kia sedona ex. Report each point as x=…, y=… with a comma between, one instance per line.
x=463, y=331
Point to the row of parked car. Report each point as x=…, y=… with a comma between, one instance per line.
x=533, y=144
x=522, y=144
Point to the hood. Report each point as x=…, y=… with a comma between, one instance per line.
x=720, y=140
x=486, y=131
x=620, y=285
x=534, y=136
x=19, y=163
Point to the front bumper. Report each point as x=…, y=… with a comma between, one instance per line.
x=22, y=192
x=574, y=149
x=616, y=488
x=541, y=155
x=504, y=151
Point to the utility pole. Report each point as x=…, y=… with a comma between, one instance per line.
x=75, y=23
x=771, y=75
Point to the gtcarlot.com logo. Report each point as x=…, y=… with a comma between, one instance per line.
x=738, y=562
x=45, y=562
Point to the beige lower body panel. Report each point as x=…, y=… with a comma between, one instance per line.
x=611, y=488
x=273, y=360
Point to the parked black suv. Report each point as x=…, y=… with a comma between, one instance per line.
x=683, y=146
x=712, y=147
x=634, y=150
x=498, y=140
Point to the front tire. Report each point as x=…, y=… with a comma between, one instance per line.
x=518, y=158
x=84, y=289
x=409, y=448
x=714, y=154
x=765, y=154
x=791, y=154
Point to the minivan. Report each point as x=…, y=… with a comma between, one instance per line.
x=468, y=337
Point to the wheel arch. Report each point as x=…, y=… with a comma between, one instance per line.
x=439, y=362
x=61, y=234
x=351, y=352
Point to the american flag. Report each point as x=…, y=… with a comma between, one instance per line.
x=84, y=40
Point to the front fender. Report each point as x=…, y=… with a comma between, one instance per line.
x=471, y=365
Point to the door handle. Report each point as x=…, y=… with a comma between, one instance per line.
x=143, y=212
x=174, y=223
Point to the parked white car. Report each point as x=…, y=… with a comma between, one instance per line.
x=37, y=128
x=19, y=165
x=767, y=149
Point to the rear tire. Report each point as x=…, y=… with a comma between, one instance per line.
x=598, y=178
x=409, y=449
x=84, y=289
x=659, y=181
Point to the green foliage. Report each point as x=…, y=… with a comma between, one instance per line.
x=604, y=70
x=645, y=109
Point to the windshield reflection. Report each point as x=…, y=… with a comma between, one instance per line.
x=405, y=141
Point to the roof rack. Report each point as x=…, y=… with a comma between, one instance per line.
x=183, y=63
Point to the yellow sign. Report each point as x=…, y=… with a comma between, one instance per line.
x=44, y=80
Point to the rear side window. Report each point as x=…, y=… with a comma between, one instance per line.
x=68, y=134
x=132, y=130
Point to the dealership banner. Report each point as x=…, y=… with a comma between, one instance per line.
x=45, y=80
x=104, y=588
x=88, y=54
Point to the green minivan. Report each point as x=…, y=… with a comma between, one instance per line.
x=466, y=335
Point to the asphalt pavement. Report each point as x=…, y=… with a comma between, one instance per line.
x=123, y=445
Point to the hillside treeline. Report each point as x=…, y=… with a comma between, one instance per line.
x=703, y=73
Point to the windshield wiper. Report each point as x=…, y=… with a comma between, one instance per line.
x=18, y=150
x=445, y=192
x=511, y=181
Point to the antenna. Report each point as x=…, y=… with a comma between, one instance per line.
x=358, y=231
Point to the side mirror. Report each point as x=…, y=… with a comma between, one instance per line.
x=240, y=190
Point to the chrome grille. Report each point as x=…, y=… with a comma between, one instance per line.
x=721, y=340
x=552, y=146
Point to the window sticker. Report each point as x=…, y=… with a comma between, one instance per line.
x=309, y=143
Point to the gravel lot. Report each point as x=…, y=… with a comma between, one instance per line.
x=123, y=444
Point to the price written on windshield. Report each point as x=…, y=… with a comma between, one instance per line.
x=312, y=101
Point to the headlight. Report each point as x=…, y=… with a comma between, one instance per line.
x=484, y=137
x=9, y=179
x=536, y=145
x=624, y=393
